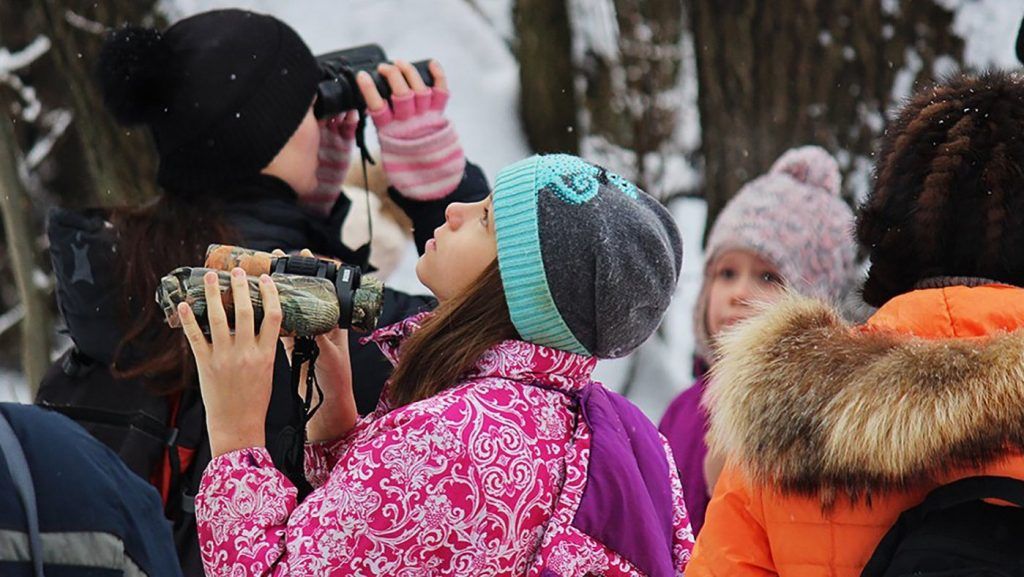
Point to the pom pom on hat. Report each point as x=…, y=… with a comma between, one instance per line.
x=810, y=165
x=130, y=67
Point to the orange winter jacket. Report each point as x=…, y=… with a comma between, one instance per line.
x=832, y=430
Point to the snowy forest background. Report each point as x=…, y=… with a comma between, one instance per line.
x=690, y=98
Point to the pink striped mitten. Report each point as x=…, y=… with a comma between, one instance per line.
x=336, y=138
x=419, y=147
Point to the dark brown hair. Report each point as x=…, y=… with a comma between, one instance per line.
x=948, y=197
x=152, y=241
x=452, y=339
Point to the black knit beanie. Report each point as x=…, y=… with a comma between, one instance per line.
x=222, y=92
x=948, y=196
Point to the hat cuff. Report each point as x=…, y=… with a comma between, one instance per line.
x=531, y=306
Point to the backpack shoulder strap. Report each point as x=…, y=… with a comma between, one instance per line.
x=13, y=453
x=956, y=493
x=139, y=420
x=973, y=489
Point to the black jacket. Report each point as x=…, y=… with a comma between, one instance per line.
x=265, y=213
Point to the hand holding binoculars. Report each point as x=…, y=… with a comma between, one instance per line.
x=316, y=294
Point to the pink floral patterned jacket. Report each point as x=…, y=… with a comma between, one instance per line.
x=494, y=476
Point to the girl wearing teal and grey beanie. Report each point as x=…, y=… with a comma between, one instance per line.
x=588, y=261
x=491, y=422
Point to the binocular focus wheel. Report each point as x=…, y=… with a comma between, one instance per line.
x=300, y=265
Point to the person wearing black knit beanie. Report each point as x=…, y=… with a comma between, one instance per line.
x=227, y=96
x=222, y=93
x=834, y=431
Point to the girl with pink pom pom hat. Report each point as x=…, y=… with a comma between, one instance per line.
x=785, y=230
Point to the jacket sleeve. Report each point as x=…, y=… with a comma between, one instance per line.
x=401, y=499
x=321, y=457
x=733, y=541
x=428, y=215
x=682, y=532
x=242, y=512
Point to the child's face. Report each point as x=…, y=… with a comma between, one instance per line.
x=738, y=278
x=461, y=250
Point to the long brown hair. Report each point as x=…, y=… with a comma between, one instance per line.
x=452, y=339
x=152, y=241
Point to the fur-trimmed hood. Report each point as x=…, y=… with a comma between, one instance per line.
x=813, y=406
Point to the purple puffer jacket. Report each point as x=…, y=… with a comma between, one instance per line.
x=685, y=425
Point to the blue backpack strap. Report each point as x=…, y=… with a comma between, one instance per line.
x=17, y=465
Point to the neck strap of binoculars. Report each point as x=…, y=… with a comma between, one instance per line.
x=306, y=352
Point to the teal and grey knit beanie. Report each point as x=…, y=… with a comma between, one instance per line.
x=589, y=262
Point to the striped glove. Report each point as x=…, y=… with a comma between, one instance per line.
x=419, y=147
x=336, y=138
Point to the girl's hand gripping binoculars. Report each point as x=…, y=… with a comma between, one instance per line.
x=316, y=294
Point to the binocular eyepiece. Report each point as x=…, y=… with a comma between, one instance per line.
x=316, y=294
x=338, y=92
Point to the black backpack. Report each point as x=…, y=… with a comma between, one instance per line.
x=954, y=532
x=134, y=423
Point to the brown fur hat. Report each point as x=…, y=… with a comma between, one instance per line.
x=948, y=198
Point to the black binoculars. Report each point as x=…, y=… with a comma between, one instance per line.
x=338, y=92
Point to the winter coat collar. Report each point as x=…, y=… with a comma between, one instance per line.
x=258, y=186
x=529, y=363
x=267, y=214
x=513, y=360
x=813, y=406
x=952, y=312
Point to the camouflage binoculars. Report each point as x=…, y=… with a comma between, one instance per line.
x=316, y=294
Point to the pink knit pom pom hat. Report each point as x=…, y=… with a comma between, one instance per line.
x=794, y=218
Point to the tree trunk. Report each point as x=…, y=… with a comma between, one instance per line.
x=19, y=233
x=628, y=91
x=120, y=163
x=109, y=166
x=547, y=97
x=791, y=72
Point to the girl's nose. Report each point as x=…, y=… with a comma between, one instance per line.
x=454, y=214
x=742, y=292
